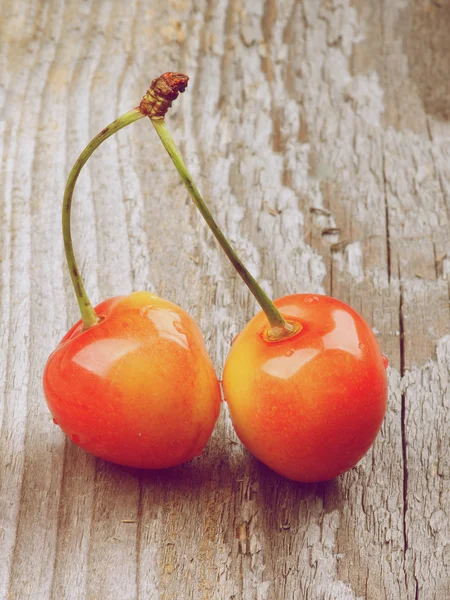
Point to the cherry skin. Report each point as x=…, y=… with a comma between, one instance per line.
x=308, y=406
x=138, y=388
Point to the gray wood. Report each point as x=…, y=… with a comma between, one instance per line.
x=319, y=133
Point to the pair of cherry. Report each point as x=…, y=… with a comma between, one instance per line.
x=132, y=381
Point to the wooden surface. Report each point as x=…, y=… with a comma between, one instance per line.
x=319, y=133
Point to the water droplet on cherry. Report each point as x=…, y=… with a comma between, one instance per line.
x=290, y=352
x=385, y=361
x=144, y=310
x=361, y=346
x=55, y=421
x=75, y=438
x=311, y=300
x=179, y=327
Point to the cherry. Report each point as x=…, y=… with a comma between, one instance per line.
x=132, y=382
x=310, y=405
x=138, y=388
x=305, y=381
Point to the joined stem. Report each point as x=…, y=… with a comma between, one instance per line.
x=155, y=104
x=279, y=327
x=88, y=314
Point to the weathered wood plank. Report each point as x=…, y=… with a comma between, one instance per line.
x=318, y=132
x=24, y=418
x=417, y=203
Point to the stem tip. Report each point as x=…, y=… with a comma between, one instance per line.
x=162, y=92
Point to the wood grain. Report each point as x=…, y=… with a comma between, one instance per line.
x=319, y=134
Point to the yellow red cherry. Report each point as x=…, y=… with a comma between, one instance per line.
x=305, y=381
x=138, y=388
x=309, y=406
x=132, y=382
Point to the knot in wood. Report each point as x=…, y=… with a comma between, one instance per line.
x=162, y=92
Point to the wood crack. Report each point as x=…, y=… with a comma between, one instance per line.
x=388, y=239
x=403, y=431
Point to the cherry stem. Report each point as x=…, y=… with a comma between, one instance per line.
x=279, y=327
x=155, y=104
x=88, y=314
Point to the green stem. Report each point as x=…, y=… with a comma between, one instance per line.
x=88, y=314
x=280, y=328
